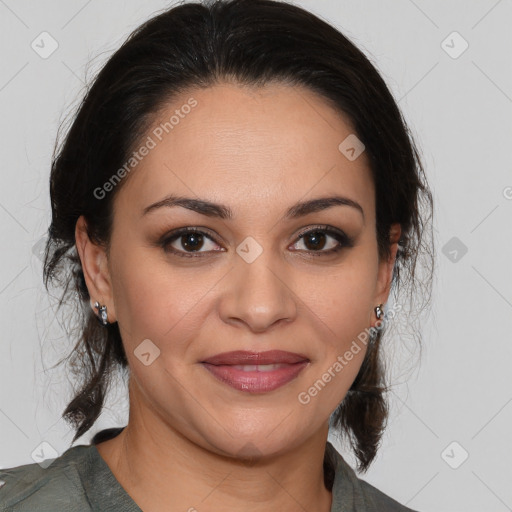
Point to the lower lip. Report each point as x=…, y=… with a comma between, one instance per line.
x=256, y=381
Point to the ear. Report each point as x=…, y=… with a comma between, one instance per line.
x=95, y=267
x=385, y=272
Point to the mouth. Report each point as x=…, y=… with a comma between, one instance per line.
x=256, y=372
x=244, y=357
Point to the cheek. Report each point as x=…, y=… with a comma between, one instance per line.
x=340, y=301
x=156, y=302
x=338, y=305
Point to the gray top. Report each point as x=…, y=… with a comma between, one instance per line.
x=81, y=481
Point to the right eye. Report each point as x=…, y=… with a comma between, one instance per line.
x=190, y=239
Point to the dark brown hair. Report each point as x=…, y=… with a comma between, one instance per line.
x=250, y=42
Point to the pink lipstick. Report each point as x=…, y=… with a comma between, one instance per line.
x=256, y=372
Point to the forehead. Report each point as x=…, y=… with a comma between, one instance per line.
x=239, y=145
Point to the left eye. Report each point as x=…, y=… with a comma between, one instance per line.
x=192, y=240
x=315, y=240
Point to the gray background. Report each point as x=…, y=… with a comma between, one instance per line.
x=459, y=108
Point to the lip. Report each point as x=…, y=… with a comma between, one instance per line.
x=226, y=368
x=238, y=357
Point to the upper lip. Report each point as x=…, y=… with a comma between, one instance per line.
x=245, y=357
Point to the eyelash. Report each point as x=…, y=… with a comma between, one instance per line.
x=343, y=239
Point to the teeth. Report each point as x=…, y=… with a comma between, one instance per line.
x=258, y=367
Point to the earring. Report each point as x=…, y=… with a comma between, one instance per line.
x=102, y=319
x=373, y=331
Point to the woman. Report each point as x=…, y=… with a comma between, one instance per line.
x=231, y=206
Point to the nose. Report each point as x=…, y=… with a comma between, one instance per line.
x=258, y=295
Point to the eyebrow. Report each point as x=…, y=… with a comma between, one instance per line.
x=300, y=209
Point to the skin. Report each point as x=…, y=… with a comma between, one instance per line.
x=191, y=440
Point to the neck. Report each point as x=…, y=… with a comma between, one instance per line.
x=157, y=465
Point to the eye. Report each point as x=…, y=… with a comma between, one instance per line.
x=187, y=241
x=315, y=240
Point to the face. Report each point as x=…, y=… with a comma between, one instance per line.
x=247, y=281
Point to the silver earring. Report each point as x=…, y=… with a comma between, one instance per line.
x=103, y=319
x=373, y=331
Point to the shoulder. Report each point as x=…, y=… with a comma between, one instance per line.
x=355, y=493
x=379, y=501
x=53, y=485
